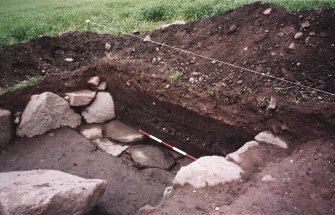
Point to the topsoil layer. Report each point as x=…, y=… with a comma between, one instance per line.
x=212, y=108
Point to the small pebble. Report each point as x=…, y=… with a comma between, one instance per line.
x=267, y=11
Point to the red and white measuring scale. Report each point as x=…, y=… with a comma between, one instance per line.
x=167, y=145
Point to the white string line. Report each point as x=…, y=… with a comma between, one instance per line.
x=228, y=64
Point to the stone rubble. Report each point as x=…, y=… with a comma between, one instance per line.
x=101, y=110
x=45, y=112
x=110, y=147
x=121, y=132
x=48, y=192
x=6, y=128
x=81, y=97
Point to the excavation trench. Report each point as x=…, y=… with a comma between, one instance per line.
x=129, y=189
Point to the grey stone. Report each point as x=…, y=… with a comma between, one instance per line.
x=273, y=103
x=102, y=86
x=6, y=128
x=208, y=171
x=48, y=192
x=101, y=110
x=94, y=80
x=236, y=156
x=45, y=112
x=108, y=46
x=268, y=138
x=267, y=11
x=81, y=97
x=147, y=156
x=109, y=147
x=121, y=132
x=305, y=24
x=159, y=174
x=147, y=38
x=298, y=36
x=91, y=131
x=292, y=46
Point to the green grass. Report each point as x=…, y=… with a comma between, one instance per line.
x=30, y=81
x=175, y=76
x=21, y=20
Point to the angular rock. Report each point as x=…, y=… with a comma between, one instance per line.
x=298, y=36
x=109, y=147
x=45, y=112
x=160, y=174
x=146, y=156
x=91, y=131
x=268, y=138
x=94, y=80
x=236, y=156
x=292, y=46
x=121, y=132
x=108, y=46
x=208, y=171
x=101, y=110
x=102, y=86
x=6, y=128
x=272, y=104
x=48, y=192
x=81, y=97
x=147, y=38
x=305, y=24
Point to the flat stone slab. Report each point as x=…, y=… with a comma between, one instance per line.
x=91, y=131
x=48, y=192
x=208, y=171
x=121, y=132
x=268, y=138
x=45, y=112
x=6, y=128
x=146, y=156
x=81, y=97
x=101, y=110
x=109, y=147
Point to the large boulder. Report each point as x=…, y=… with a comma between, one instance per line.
x=6, y=128
x=208, y=171
x=45, y=112
x=81, y=97
x=101, y=110
x=146, y=156
x=121, y=132
x=48, y=192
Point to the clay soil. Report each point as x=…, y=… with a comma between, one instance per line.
x=211, y=109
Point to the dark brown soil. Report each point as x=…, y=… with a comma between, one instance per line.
x=225, y=106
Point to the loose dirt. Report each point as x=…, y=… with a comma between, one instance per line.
x=211, y=108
